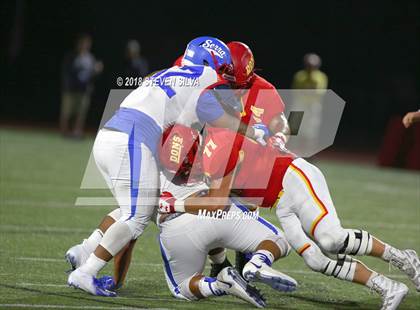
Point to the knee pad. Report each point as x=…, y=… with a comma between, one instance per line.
x=343, y=268
x=184, y=290
x=139, y=221
x=282, y=243
x=116, y=237
x=115, y=214
x=315, y=259
x=332, y=241
x=357, y=242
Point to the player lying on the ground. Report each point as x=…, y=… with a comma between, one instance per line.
x=185, y=240
x=125, y=148
x=270, y=176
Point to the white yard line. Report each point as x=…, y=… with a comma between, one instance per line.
x=51, y=229
x=56, y=204
x=41, y=284
x=48, y=306
x=41, y=259
x=62, y=260
x=95, y=201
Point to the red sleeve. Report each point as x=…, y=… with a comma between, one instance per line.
x=221, y=152
x=178, y=61
x=268, y=99
x=262, y=102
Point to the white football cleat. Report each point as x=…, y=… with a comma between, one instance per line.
x=410, y=265
x=261, y=272
x=392, y=292
x=238, y=287
x=76, y=256
x=88, y=283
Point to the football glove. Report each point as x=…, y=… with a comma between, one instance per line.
x=169, y=204
x=260, y=132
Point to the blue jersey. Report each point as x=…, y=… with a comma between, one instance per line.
x=175, y=95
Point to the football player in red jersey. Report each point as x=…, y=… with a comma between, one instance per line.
x=267, y=177
x=262, y=105
x=261, y=102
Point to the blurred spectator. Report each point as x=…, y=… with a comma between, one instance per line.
x=78, y=72
x=310, y=77
x=411, y=118
x=312, y=83
x=136, y=65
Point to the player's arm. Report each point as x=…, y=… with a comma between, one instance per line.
x=210, y=110
x=217, y=198
x=279, y=124
x=122, y=262
x=411, y=118
x=235, y=124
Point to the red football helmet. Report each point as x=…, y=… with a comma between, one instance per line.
x=178, y=61
x=178, y=154
x=243, y=63
x=226, y=70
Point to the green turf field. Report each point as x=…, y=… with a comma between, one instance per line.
x=40, y=179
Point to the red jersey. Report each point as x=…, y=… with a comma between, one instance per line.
x=261, y=102
x=259, y=170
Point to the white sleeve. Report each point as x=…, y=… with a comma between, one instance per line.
x=181, y=192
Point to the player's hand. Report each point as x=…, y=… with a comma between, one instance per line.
x=410, y=118
x=260, y=132
x=278, y=142
x=167, y=203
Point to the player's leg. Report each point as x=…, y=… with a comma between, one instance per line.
x=137, y=191
x=345, y=268
x=227, y=282
x=135, y=186
x=184, y=244
x=306, y=195
x=78, y=254
x=320, y=220
x=360, y=242
x=247, y=233
x=241, y=259
x=219, y=261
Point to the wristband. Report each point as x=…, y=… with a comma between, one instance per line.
x=179, y=205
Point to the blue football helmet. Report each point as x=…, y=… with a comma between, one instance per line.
x=208, y=51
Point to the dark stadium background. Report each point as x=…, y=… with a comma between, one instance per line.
x=370, y=50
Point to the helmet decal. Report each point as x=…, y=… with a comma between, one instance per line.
x=213, y=47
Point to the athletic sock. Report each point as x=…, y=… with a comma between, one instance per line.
x=218, y=258
x=93, y=265
x=369, y=282
x=263, y=256
x=92, y=241
x=212, y=287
